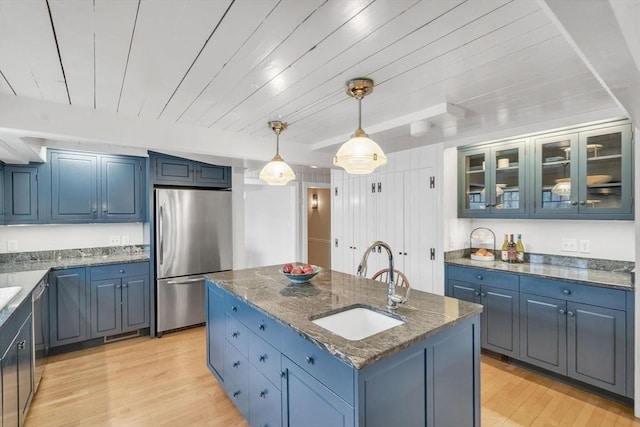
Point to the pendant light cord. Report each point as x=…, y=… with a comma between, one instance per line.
x=278, y=142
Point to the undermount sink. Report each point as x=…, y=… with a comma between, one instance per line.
x=7, y=294
x=357, y=323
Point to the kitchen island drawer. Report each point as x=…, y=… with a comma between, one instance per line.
x=237, y=334
x=115, y=271
x=266, y=358
x=322, y=365
x=603, y=297
x=265, y=327
x=483, y=277
x=237, y=308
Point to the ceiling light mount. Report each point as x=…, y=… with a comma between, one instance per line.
x=359, y=88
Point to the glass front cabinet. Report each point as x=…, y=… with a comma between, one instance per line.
x=586, y=173
x=492, y=181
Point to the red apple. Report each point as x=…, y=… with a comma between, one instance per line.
x=287, y=268
x=296, y=270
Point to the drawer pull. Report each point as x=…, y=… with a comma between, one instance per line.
x=261, y=326
x=562, y=311
x=283, y=374
x=263, y=394
x=476, y=293
x=479, y=277
x=570, y=313
x=566, y=292
x=236, y=393
x=234, y=308
x=262, y=358
x=235, y=334
x=310, y=360
x=483, y=295
x=236, y=364
x=121, y=271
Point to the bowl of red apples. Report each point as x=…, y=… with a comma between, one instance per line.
x=301, y=273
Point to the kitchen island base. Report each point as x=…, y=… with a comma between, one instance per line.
x=278, y=375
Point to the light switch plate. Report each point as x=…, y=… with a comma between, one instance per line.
x=585, y=246
x=12, y=246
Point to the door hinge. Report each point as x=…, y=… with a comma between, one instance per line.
x=335, y=191
x=336, y=242
x=432, y=182
x=373, y=187
x=433, y=253
x=379, y=187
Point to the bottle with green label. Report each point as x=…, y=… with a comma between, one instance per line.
x=519, y=249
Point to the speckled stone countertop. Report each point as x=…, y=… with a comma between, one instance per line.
x=609, y=279
x=13, y=267
x=28, y=274
x=269, y=291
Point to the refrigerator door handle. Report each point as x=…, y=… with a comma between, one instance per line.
x=160, y=235
x=185, y=282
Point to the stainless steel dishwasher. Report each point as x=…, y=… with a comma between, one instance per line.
x=40, y=306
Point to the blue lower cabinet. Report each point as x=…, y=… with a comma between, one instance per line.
x=68, y=312
x=236, y=378
x=596, y=346
x=215, y=330
x=307, y=402
x=543, y=332
x=105, y=307
x=500, y=320
x=265, y=401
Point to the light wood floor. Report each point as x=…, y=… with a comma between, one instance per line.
x=165, y=382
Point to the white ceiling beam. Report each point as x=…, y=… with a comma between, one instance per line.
x=604, y=51
x=21, y=150
x=72, y=124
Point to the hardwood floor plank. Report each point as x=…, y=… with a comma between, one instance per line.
x=165, y=382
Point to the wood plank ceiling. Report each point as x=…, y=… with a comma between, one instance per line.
x=235, y=64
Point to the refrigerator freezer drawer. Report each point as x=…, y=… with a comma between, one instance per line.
x=180, y=302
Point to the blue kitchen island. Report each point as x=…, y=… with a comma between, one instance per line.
x=282, y=369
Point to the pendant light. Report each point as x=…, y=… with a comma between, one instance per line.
x=360, y=155
x=277, y=172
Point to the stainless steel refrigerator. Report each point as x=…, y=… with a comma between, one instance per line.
x=193, y=236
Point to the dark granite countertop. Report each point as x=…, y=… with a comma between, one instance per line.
x=268, y=290
x=87, y=261
x=28, y=274
x=608, y=279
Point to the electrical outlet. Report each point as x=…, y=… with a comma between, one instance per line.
x=114, y=240
x=585, y=246
x=125, y=240
x=12, y=246
x=569, y=245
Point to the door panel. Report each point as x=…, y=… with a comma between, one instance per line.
x=135, y=303
x=500, y=321
x=105, y=307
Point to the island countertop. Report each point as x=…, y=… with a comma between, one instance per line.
x=295, y=306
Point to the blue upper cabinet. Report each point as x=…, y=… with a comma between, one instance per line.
x=74, y=189
x=582, y=173
x=95, y=188
x=182, y=172
x=121, y=189
x=21, y=194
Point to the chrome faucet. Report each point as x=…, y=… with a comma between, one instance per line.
x=392, y=298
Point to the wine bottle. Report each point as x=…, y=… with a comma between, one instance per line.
x=519, y=249
x=511, y=251
x=505, y=248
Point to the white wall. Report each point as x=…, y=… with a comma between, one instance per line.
x=608, y=239
x=57, y=236
x=270, y=224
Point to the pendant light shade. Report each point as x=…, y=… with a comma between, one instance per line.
x=277, y=172
x=360, y=155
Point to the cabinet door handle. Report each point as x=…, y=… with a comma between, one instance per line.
x=117, y=286
x=236, y=393
x=283, y=374
x=161, y=235
x=104, y=210
x=582, y=203
x=236, y=364
x=262, y=358
x=234, y=308
x=263, y=393
x=570, y=313
x=21, y=344
x=562, y=311
x=574, y=203
x=261, y=326
x=125, y=285
x=479, y=277
x=477, y=293
x=483, y=295
x=235, y=334
x=566, y=292
x=121, y=271
x=310, y=360
x=487, y=205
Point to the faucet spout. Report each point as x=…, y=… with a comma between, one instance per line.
x=392, y=298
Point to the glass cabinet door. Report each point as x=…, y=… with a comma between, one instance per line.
x=605, y=170
x=474, y=179
x=507, y=183
x=556, y=174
